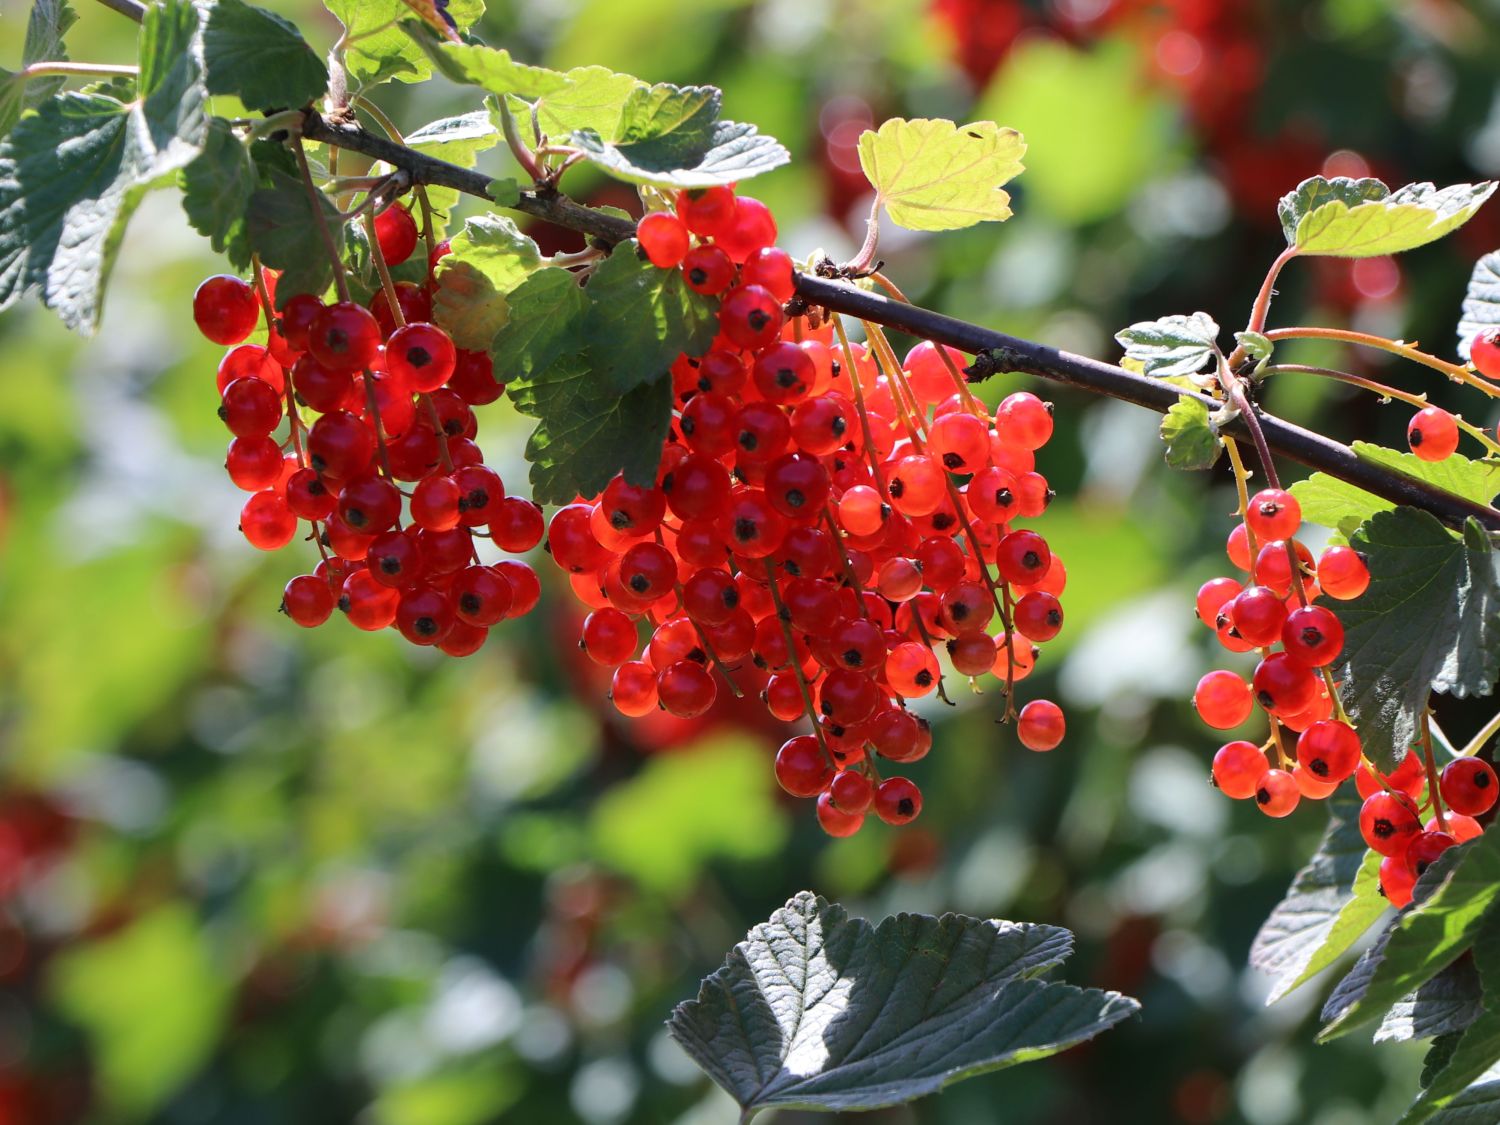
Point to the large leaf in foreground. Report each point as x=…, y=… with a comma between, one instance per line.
x=816, y=1010
x=1332, y=901
x=728, y=152
x=486, y=260
x=259, y=57
x=1430, y=620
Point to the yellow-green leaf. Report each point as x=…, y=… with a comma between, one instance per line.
x=487, y=259
x=1378, y=222
x=931, y=174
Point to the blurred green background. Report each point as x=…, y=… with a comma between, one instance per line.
x=250, y=874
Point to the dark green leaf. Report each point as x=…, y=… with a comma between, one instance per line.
x=1447, y=1003
x=489, y=68
x=641, y=318
x=545, y=323
x=668, y=125
x=1426, y=937
x=1430, y=620
x=73, y=173
x=260, y=58
x=1437, y=1057
x=1477, y=1105
x=486, y=260
x=216, y=189
x=1333, y=503
x=1332, y=901
x=815, y=1010
x=1481, y=307
x=1190, y=438
x=1173, y=345
x=49, y=22
x=731, y=152
x=1478, y=1048
x=282, y=227
x=587, y=433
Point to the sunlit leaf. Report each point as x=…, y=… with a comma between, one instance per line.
x=259, y=57
x=1190, y=438
x=48, y=23
x=1364, y=219
x=1171, y=345
x=1481, y=307
x=486, y=260
x=1333, y=503
x=931, y=174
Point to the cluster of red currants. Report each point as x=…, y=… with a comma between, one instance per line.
x=393, y=399
x=823, y=518
x=1292, y=684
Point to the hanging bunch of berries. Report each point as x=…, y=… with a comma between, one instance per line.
x=826, y=520
x=386, y=476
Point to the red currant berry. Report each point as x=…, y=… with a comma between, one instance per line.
x=1342, y=573
x=897, y=801
x=1389, y=823
x=366, y=603
x=254, y=463
x=1276, y=793
x=1396, y=881
x=1273, y=514
x=750, y=317
x=482, y=596
x=1213, y=595
x=266, y=521
x=802, y=768
x=307, y=600
x=1432, y=434
x=1424, y=850
x=1484, y=352
x=425, y=615
x=250, y=408
x=771, y=268
x=1468, y=786
x=1038, y=616
x=1313, y=635
x=1238, y=768
x=1041, y=725
x=394, y=559
x=1283, y=685
x=1223, y=700
x=633, y=689
x=1022, y=558
x=421, y=356
x=708, y=270
x=250, y=361
x=225, y=309
x=664, y=238
x=1329, y=750
x=1023, y=420
x=396, y=232
x=851, y=791
x=834, y=820
x=516, y=525
x=308, y=497
x=686, y=689
x=344, y=337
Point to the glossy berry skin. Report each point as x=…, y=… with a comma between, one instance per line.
x=344, y=337
x=482, y=596
x=1389, y=823
x=1396, y=881
x=421, y=356
x=1424, y=850
x=897, y=801
x=250, y=408
x=664, y=238
x=1273, y=514
x=750, y=316
x=307, y=600
x=1023, y=420
x=851, y=791
x=1223, y=699
x=396, y=232
x=1408, y=777
x=707, y=270
x=369, y=504
x=708, y=212
x=1283, y=685
x=1041, y=725
x=1432, y=434
x=686, y=689
x=1313, y=635
x=1276, y=793
x=253, y=463
x=1484, y=353
x=633, y=689
x=1342, y=573
x=609, y=637
x=1022, y=558
x=802, y=768
x=834, y=820
x=1462, y=828
x=1213, y=595
x=1237, y=769
x=771, y=268
x=225, y=309
x=1468, y=786
x=425, y=616
x=266, y=521
x=752, y=228
x=308, y=497
x=517, y=525
x=1329, y=750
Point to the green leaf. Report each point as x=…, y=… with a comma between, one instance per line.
x=1173, y=345
x=487, y=259
x=815, y=1010
x=73, y=172
x=586, y=434
x=931, y=174
x=48, y=23
x=731, y=152
x=592, y=99
x=1426, y=937
x=1437, y=1057
x=1333, y=503
x=458, y=140
x=1477, y=1105
x=216, y=190
x=380, y=49
x=260, y=58
x=1478, y=1049
x=1430, y=620
x=159, y=964
x=490, y=68
x=1481, y=308
x=641, y=318
x=545, y=323
x=1363, y=219
x=1332, y=901
x=1446, y=1004
x=1257, y=345
x=1192, y=442
x=282, y=227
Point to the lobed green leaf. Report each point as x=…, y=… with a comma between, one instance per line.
x=490, y=68
x=282, y=228
x=486, y=260
x=729, y=152
x=931, y=174
x=45, y=27
x=1334, y=503
x=1190, y=437
x=1363, y=218
x=379, y=46
x=1172, y=345
x=259, y=57
x=216, y=190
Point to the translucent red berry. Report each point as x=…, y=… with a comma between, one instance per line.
x=1313, y=635
x=396, y=232
x=421, y=356
x=1041, y=725
x=897, y=800
x=801, y=766
x=1432, y=434
x=1237, y=769
x=1276, y=793
x=344, y=337
x=1484, y=352
x=307, y=600
x=664, y=238
x=1273, y=514
x=1223, y=699
x=225, y=309
x=1468, y=786
x=1424, y=850
x=1389, y=823
x=1329, y=750
x=1342, y=573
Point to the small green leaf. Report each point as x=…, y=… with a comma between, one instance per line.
x=586, y=434
x=216, y=189
x=282, y=227
x=591, y=99
x=931, y=174
x=731, y=152
x=1364, y=219
x=1173, y=345
x=48, y=23
x=1425, y=938
x=1481, y=308
x=815, y=1010
x=641, y=318
x=260, y=58
x=486, y=260
x=1332, y=901
x=1332, y=502
x=545, y=323
x=1192, y=442
x=1429, y=621
x=379, y=48
x=73, y=172
x=1257, y=345
x=458, y=140
x=490, y=68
